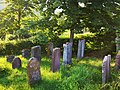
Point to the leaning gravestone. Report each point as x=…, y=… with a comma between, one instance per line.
x=25, y=53
x=16, y=63
x=81, y=49
x=106, y=69
x=55, y=60
x=36, y=52
x=10, y=58
x=50, y=49
x=117, y=63
x=33, y=70
x=67, y=53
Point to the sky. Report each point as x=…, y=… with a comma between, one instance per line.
x=2, y=5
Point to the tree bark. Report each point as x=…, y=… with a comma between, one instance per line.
x=71, y=35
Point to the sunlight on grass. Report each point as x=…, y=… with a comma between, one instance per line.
x=93, y=61
x=67, y=34
x=83, y=75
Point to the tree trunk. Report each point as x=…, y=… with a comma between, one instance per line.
x=71, y=35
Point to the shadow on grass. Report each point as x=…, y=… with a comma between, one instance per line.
x=4, y=77
x=47, y=85
x=22, y=69
x=45, y=63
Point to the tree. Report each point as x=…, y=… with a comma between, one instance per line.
x=79, y=14
x=12, y=18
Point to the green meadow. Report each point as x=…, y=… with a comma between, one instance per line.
x=85, y=74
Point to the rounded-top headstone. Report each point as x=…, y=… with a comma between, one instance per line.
x=16, y=63
x=25, y=53
x=33, y=70
x=36, y=52
x=10, y=58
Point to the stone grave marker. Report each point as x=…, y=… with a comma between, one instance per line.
x=67, y=53
x=33, y=70
x=16, y=63
x=50, y=49
x=55, y=65
x=10, y=58
x=108, y=66
x=25, y=53
x=117, y=63
x=106, y=69
x=81, y=49
x=104, y=72
x=36, y=52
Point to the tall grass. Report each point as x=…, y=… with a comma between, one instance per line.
x=83, y=75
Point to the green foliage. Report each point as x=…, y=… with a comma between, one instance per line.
x=13, y=16
x=39, y=38
x=80, y=14
x=96, y=45
x=14, y=47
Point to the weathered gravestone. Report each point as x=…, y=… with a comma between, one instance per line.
x=36, y=52
x=81, y=49
x=104, y=72
x=117, y=63
x=55, y=65
x=25, y=53
x=67, y=53
x=50, y=49
x=106, y=69
x=16, y=63
x=33, y=70
x=10, y=58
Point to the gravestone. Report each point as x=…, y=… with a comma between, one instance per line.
x=108, y=66
x=106, y=69
x=33, y=70
x=104, y=72
x=36, y=52
x=117, y=63
x=81, y=49
x=16, y=63
x=50, y=49
x=25, y=53
x=10, y=58
x=55, y=65
x=67, y=53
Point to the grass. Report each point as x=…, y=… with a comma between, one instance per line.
x=83, y=75
x=67, y=35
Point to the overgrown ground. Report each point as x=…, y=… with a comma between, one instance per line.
x=83, y=75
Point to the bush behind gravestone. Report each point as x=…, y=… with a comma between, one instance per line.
x=97, y=45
